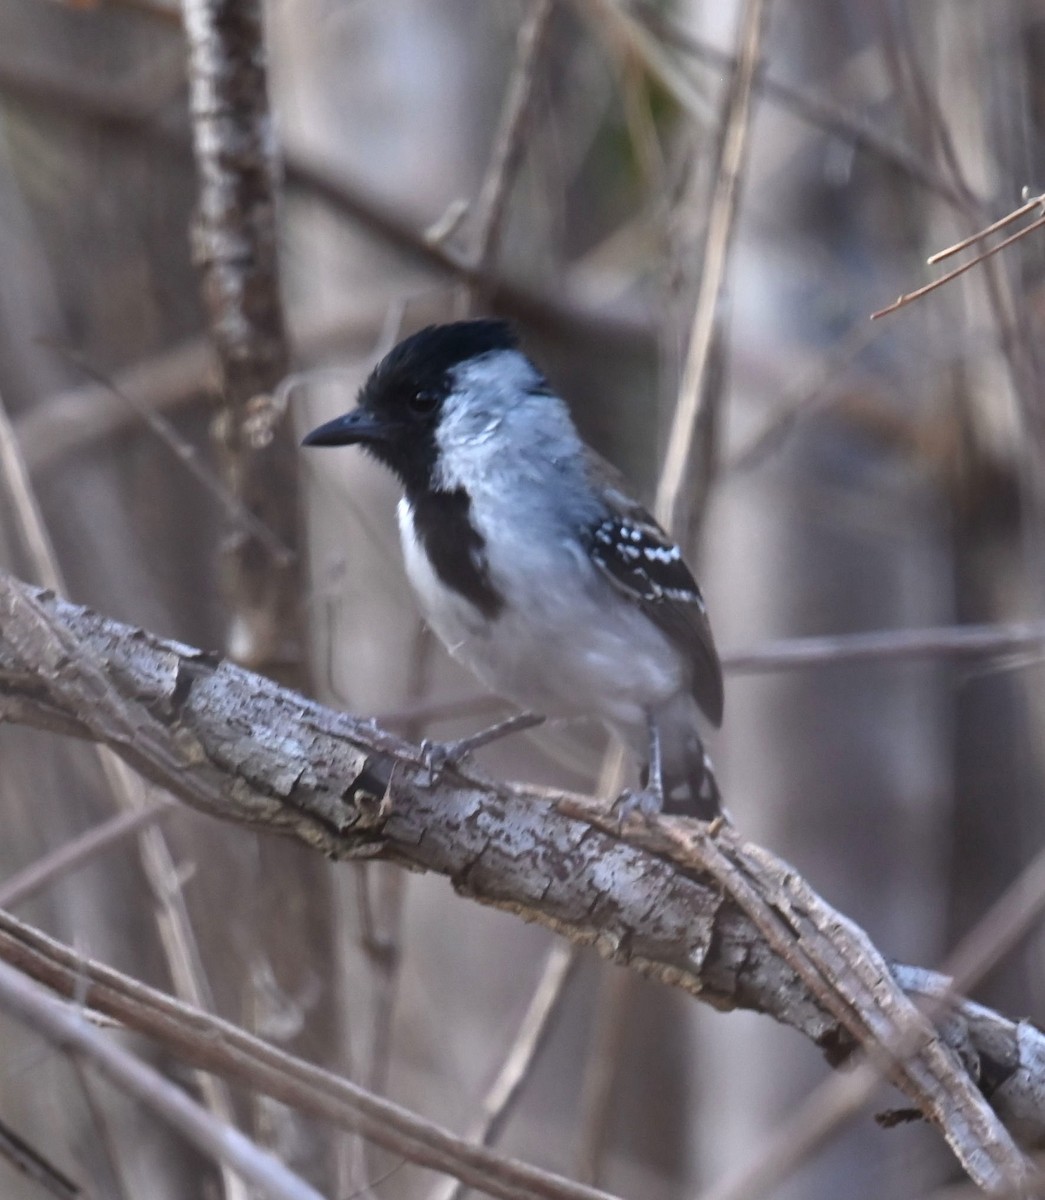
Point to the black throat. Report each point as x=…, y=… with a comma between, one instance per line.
x=455, y=548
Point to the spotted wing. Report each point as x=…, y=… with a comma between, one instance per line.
x=643, y=563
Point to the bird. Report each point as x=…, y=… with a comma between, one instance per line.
x=532, y=561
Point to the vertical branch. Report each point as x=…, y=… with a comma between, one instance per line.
x=691, y=411
x=506, y=1089
x=177, y=936
x=492, y=204
x=235, y=248
x=234, y=244
x=616, y=992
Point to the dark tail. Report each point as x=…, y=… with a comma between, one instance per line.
x=690, y=786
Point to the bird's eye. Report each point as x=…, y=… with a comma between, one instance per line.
x=422, y=404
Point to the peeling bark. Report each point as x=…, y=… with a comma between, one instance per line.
x=245, y=750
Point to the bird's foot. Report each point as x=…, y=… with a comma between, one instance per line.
x=647, y=802
x=436, y=757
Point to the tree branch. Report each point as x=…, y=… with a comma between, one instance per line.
x=711, y=914
x=67, y=1029
x=235, y=249
x=212, y=1044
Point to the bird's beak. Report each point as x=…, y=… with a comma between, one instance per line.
x=350, y=429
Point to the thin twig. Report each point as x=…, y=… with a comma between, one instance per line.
x=949, y=641
x=49, y=868
x=973, y=238
x=910, y=297
x=34, y=1165
x=811, y=107
x=30, y=1004
x=236, y=512
x=509, y=145
x=616, y=990
x=217, y=1045
x=721, y=223
x=173, y=922
x=504, y=1092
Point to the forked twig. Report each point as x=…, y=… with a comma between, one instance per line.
x=55, y=1021
x=918, y=293
x=719, y=238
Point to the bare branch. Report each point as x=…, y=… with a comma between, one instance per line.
x=1028, y=207
x=212, y=1044
x=235, y=247
x=28, y=1161
x=55, y=1021
x=840, y=1097
x=687, y=416
x=918, y=293
x=531, y=1035
x=174, y=925
x=715, y=916
x=890, y=645
x=811, y=106
x=18, y=888
x=492, y=205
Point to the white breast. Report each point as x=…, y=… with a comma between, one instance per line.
x=565, y=643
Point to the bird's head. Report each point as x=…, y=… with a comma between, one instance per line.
x=446, y=384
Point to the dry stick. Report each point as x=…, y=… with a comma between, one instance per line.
x=841, y=968
x=810, y=106
x=383, y=948
x=492, y=207
x=33, y=1006
x=631, y=37
x=909, y=297
x=600, y=1075
x=28, y=1161
x=507, y=154
x=507, y=1087
x=671, y=489
x=216, y=1045
x=1014, y=337
x=174, y=925
x=597, y=1109
x=236, y=512
x=49, y=868
x=842, y=1097
x=654, y=900
x=235, y=250
x=888, y=645
x=973, y=238
x=961, y=642
x=809, y=395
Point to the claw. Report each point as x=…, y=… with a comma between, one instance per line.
x=436, y=757
x=645, y=801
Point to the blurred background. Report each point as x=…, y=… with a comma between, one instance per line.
x=846, y=476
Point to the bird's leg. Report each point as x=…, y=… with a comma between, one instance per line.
x=440, y=755
x=649, y=800
x=655, y=774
